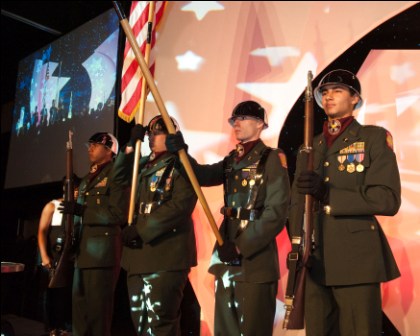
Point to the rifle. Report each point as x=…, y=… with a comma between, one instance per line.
x=62, y=271
x=301, y=245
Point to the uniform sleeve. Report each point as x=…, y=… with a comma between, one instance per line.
x=123, y=168
x=173, y=215
x=208, y=175
x=274, y=202
x=380, y=192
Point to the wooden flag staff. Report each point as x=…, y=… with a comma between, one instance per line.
x=140, y=115
x=168, y=123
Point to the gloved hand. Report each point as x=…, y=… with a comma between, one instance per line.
x=137, y=133
x=175, y=142
x=130, y=236
x=309, y=182
x=228, y=252
x=71, y=208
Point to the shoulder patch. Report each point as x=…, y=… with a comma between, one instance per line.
x=283, y=159
x=389, y=140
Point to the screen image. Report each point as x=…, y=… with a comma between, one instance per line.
x=69, y=85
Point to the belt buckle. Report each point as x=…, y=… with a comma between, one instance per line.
x=148, y=208
x=141, y=208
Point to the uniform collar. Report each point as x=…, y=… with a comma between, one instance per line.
x=242, y=149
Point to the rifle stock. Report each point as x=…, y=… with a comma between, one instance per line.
x=61, y=274
x=295, y=295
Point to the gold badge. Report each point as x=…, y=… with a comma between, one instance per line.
x=334, y=126
x=351, y=168
x=244, y=183
x=240, y=150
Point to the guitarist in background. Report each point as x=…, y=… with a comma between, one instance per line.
x=355, y=177
x=50, y=243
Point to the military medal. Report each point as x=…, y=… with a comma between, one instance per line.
x=341, y=159
x=334, y=126
x=359, y=158
x=351, y=167
x=245, y=175
x=153, y=183
x=251, y=182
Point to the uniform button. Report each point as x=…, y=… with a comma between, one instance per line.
x=106, y=234
x=233, y=203
x=326, y=164
x=174, y=230
x=87, y=194
x=235, y=190
x=326, y=179
x=372, y=227
x=236, y=177
x=327, y=209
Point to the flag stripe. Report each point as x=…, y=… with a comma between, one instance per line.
x=131, y=73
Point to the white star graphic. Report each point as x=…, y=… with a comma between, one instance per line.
x=401, y=73
x=407, y=101
x=189, y=61
x=201, y=8
x=276, y=55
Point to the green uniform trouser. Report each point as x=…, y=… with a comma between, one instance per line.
x=244, y=308
x=155, y=302
x=343, y=310
x=93, y=300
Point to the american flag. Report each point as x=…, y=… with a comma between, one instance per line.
x=131, y=80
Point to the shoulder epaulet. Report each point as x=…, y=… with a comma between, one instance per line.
x=373, y=126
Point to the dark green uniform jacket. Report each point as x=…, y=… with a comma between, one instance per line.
x=361, y=170
x=105, y=211
x=167, y=231
x=257, y=242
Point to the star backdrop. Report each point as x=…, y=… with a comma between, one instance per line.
x=212, y=55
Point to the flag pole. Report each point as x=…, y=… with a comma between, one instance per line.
x=140, y=114
x=168, y=123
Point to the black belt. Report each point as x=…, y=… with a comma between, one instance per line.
x=240, y=213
